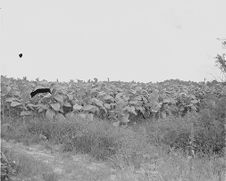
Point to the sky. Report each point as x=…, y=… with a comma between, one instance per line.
x=140, y=40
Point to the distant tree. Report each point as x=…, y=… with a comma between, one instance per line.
x=221, y=59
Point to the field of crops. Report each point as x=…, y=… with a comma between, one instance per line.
x=119, y=102
x=182, y=126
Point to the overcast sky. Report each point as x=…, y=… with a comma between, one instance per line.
x=142, y=40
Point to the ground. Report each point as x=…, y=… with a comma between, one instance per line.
x=68, y=166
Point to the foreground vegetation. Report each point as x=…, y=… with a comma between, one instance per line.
x=155, y=150
x=173, y=130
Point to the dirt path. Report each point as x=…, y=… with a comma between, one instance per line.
x=67, y=167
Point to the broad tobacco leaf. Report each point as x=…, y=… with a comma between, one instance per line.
x=67, y=104
x=108, y=98
x=155, y=107
x=98, y=103
x=55, y=106
x=121, y=103
x=169, y=101
x=130, y=109
x=195, y=101
x=14, y=104
x=26, y=113
x=59, y=98
x=31, y=106
x=90, y=108
x=154, y=96
x=119, y=96
x=11, y=99
x=135, y=102
x=193, y=107
x=94, y=91
x=107, y=106
x=141, y=109
x=77, y=107
x=41, y=110
x=47, y=95
x=70, y=97
x=17, y=93
x=138, y=98
x=41, y=107
x=101, y=94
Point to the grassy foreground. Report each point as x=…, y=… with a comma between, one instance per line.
x=102, y=151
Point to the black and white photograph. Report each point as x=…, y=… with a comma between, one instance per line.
x=123, y=90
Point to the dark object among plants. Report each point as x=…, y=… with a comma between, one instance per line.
x=39, y=91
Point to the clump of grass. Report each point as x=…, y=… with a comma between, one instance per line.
x=97, y=138
x=175, y=167
x=177, y=132
x=24, y=166
x=12, y=130
x=178, y=167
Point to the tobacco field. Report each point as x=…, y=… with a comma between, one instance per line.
x=119, y=102
x=171, y=130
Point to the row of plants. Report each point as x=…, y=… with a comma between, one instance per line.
x=121, y=102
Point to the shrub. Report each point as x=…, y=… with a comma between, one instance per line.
x=206, y=128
